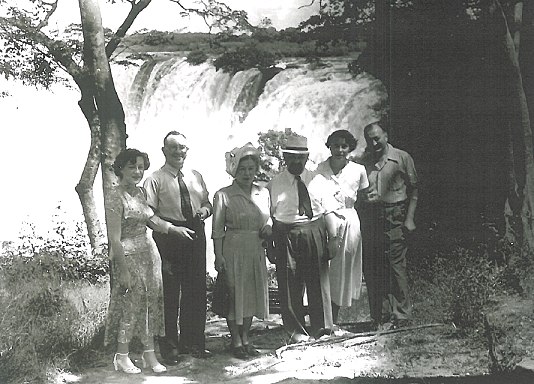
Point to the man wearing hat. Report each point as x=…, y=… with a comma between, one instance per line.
x=299, y=237
x=180, y=201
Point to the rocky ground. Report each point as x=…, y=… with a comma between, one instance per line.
x=422, y=353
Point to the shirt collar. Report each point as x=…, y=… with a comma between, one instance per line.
x=290, y=178
x=393, y=155
x=170, y=169
x=235, y=190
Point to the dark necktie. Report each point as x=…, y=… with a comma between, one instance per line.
x=304, y=199
x=187, y=211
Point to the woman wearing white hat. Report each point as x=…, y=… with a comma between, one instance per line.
x=240, y=224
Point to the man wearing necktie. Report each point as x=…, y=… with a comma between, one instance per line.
x=180, y=201
x=299, y=237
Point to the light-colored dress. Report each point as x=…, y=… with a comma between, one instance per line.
x=338, y=193
x=237, y=219
x=139, y=311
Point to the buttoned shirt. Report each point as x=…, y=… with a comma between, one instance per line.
x=285, y=200
x=391, y=176
x=163, y=194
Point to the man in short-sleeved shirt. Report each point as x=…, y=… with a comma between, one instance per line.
x=387, y=215
x=181, y=241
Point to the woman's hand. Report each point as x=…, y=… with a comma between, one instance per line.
x=220, y=264
x=124, y=280
x=266, y=231
x=334, y=244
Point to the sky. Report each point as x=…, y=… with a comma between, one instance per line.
x=165, y=15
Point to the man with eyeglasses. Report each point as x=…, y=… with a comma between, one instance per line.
x=179, y=198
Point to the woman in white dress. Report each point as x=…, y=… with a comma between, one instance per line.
x=241, y=222
x=336, y=185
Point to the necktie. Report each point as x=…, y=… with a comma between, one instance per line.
x=187, y=211
x=304, y=199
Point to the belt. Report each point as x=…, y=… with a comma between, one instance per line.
x=382, y=204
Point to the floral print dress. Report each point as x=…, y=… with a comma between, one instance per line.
x=139, y=311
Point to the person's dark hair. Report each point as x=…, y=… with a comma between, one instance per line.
x=383, y=123
x=342, y=134
x=171, y=133
x=129, y=156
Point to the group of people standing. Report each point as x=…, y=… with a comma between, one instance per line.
x=306, y=222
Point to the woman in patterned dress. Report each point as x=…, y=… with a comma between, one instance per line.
x=240, y=224
x=337, y=185
x=136, y=303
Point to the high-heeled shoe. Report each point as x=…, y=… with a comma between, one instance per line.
x=128, y=368
x=158, y=368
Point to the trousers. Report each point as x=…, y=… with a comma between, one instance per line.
x=184, y=287
x=384, y=261
x=302, y=264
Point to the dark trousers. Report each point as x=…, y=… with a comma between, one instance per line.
x=302, y=262
x=184, y=289
x=384, y=261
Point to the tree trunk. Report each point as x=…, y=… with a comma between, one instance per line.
x=89, y=109
x=90, y=169
x=521, y=128
x=109, y=107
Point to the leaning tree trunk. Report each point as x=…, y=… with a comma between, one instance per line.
x=109, y=107
x=90, y=169
x=522, y=128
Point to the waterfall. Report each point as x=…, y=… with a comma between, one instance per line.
x=218, y=111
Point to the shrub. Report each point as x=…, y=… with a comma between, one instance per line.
x=196, y=57
x=454, y=278
x=246, y=57
x=270, y=156
x=35, y=331
x=64, y=254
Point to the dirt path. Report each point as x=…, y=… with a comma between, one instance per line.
x=413, y=353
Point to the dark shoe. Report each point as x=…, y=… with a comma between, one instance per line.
x=201, y=353
x=323, y=332
x=401, y=323
x=240, y=352
x=251, y=350
x=169, y=359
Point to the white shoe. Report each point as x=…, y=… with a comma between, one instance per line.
x=158, y=368
x=127, y=367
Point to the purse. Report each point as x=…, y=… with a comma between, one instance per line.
x=221, y=296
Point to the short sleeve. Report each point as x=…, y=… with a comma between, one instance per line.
x=219, y=215
x=364, y=181
x=411, y=174
x=114, y=204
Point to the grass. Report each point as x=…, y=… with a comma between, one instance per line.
x=48, y=327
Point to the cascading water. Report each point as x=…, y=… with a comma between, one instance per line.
x=218, y=111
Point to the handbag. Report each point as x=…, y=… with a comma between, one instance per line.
x=221, y=296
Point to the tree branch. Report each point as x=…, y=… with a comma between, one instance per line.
x=135, y=10
x=49, y=13
x=58, y=50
